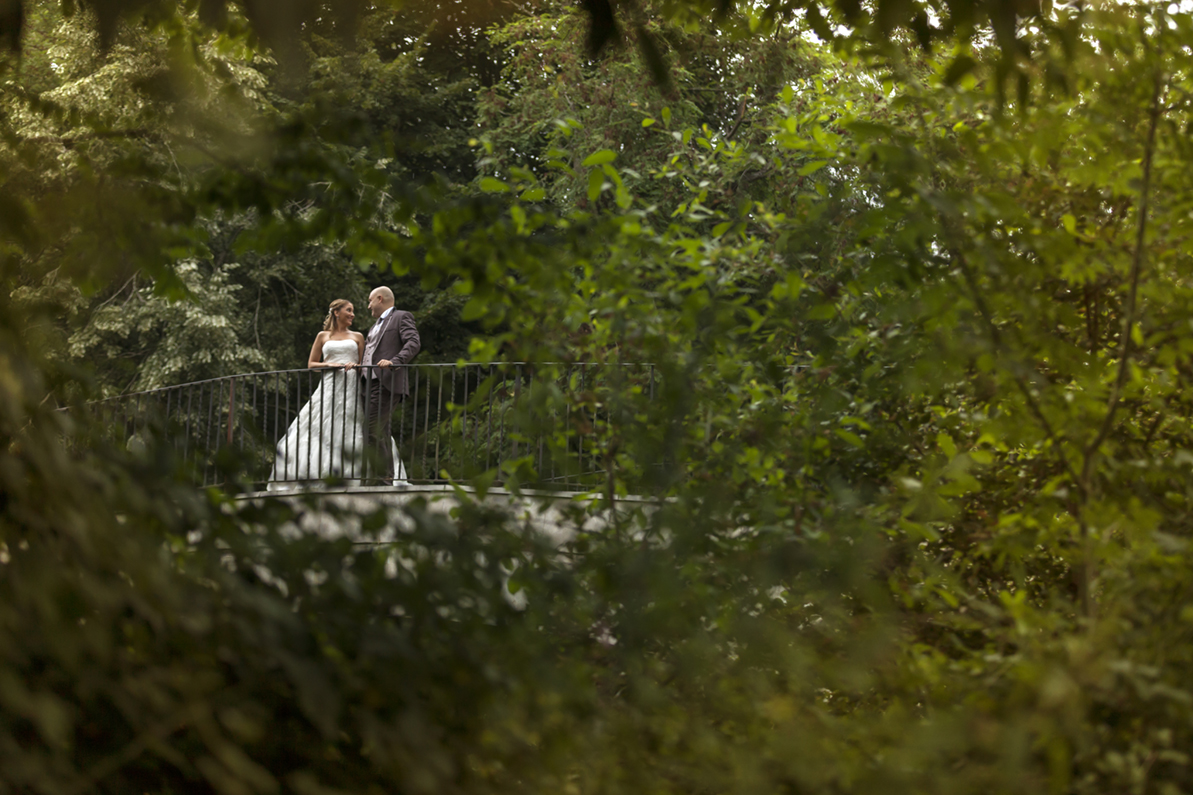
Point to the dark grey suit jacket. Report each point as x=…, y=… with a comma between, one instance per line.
x=396, y=340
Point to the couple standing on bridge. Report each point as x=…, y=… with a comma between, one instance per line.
x=348, y=418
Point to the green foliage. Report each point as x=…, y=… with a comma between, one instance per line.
x=112, y=164
x=913, y=479
x=171, y=342
x=1034, y=257
x=555, y=104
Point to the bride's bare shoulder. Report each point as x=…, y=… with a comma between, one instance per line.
x=356, y=335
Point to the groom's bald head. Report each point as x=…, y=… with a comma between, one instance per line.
x=381, y=299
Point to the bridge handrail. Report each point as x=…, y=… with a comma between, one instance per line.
x=463, y=415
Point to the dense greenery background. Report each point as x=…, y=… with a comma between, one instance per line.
x=918, y=288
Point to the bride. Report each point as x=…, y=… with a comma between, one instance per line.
x=327, y=439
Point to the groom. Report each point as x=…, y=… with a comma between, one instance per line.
x=393, y=340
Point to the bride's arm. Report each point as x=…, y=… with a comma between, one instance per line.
x=315, y=360
x=360, y=347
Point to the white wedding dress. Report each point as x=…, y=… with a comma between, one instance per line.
x=327, y=438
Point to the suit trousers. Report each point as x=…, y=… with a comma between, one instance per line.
x=378, y=431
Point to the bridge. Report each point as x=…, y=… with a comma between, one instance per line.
x=546, y=427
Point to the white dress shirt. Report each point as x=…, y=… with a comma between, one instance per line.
x=377, y=325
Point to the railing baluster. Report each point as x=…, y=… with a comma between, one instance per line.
x=231, y=407
x=286, y=437
x=310, y=424
x=517, y=395
x=330, y=443
x=272, y=438
x=118, y=425
x=200, y=454
x=413, y=399
x=476, y=425
x=158, y=414
x=138, y=415
x=130, y=421
x=583, y=383
x=190, y=411
x=357, y=455
x=501, y=438
x=209, y=458
x=538, y=428
x=400, y=471
x=292, y=421
x=219, y=443
x=166, y=416
x=439, y=419
x=422, y=385
x=567, y=429
x=254, y=410
x=463, y=419
x=355, y=471
x=474, y=441
x=489, y=424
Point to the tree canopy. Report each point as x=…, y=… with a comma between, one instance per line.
x=912, y=275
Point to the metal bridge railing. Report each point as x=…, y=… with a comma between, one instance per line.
x=546, y=425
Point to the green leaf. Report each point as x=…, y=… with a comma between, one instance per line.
x=533, y=195
x=475, y=309
x=812, y=168
x=483, y=482
x=825, y=311
x=600, y=158
x=868, y=129
x=850, y=437
x=647, y=122
x=491, y=185
x=983, y=457
x=1070, y=223
x=596, y=181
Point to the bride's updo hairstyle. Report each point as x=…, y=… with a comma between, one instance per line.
x=329, y=322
